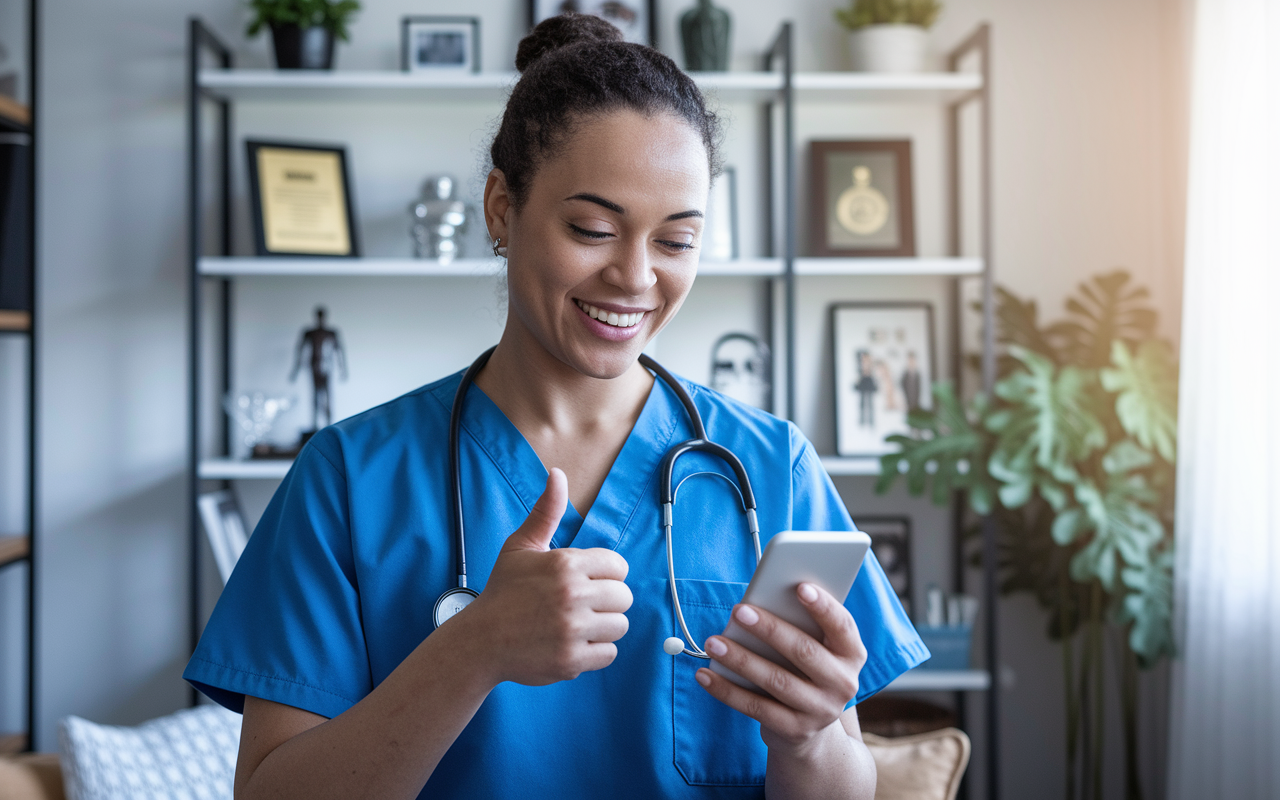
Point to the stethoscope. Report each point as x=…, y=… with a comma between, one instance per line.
x=460, y=596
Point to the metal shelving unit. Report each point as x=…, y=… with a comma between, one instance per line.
x=18, y=548
x=779, y=90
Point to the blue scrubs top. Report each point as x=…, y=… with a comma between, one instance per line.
x=338, y=583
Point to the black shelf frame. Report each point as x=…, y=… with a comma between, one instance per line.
x=29, y=558
x=780, y=161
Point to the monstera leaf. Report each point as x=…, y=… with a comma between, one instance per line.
x=1017, y=323
x=950, y=451
x=1106, y=309
x=1148, y=607
x=1047, y=427
x=1147, y=385
x=1123, y=527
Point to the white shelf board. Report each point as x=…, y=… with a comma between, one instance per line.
x=488, y=267
x=236, y=469
x=761, y=267
x=492, y=87
x=466, y=267
x=838, y=465
x=879, y=87
x=941, y=680
x=888, y=266
x=365, y=85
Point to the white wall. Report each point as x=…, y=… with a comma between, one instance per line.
x=1087, y=171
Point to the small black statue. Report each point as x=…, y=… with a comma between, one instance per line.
x=326, y=350
x=705, y=33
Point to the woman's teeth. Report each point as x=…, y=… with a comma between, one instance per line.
x=610, y=317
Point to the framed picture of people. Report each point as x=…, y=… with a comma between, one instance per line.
x=884, y=368
x=861, y=201
x=637, y=19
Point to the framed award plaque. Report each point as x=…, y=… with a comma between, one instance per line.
x=300, y=199
x=861, y=203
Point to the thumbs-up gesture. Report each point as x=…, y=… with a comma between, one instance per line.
x=550, y=615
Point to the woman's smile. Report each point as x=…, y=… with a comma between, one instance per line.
x=618, y=322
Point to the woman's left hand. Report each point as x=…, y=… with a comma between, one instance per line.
x=797, y=707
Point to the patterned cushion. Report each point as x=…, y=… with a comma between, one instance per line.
x=190, y=754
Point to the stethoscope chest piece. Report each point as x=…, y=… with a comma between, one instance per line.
x=451, y=602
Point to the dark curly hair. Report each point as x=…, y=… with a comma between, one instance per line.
x=575, y=66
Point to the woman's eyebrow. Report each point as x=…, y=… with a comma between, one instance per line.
x=598, y=200
x=684, y=215
x=617, y=209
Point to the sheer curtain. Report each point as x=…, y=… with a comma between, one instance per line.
x=1225, y=740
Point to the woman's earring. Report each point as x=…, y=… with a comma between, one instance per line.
x=498, y=249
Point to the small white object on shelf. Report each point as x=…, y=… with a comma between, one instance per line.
x=892, y=48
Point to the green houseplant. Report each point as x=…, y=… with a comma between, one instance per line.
x=888, y=35
x=1072, y=461
x=303, y=31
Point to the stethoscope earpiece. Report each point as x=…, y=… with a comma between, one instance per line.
x=673, y=646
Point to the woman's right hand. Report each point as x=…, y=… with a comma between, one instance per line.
x=550, y=615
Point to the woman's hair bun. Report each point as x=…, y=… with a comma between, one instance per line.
x=560, y=31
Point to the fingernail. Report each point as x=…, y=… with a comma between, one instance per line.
x=747, y=615
x=703, y=678
x=808, y=593
x=716, y=647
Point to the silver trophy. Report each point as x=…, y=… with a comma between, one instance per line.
x=439, y=220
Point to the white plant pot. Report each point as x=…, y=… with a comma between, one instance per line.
x=888, y=48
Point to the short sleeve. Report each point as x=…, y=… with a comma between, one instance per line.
x=287, y=627
x=893, y=646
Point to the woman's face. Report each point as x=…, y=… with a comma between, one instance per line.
x=605, y=248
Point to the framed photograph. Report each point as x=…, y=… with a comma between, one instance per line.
x=224, y=525
x=891, y=542
x=884, y=368
x=300, y=200
x=720, y=228
x=440, y=44
x=861, y=203
x=637, y=19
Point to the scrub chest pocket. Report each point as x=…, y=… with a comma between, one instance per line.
x=714, y=745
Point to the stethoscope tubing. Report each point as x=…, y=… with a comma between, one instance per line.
x=700, y=443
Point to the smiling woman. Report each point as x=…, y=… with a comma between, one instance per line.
x=553, y=679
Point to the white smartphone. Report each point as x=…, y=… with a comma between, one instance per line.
x=830, y=559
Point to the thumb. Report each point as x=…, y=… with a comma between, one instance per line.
x=541, y=524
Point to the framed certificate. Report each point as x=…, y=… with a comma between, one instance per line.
x=300, y=197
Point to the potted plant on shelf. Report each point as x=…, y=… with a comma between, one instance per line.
x=303, y=31
x=888, y=35
x=1072, y=461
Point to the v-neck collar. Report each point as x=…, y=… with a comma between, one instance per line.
x=631, y=478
